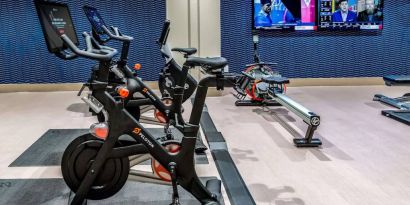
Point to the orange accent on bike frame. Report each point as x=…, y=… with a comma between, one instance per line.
x=137, y=66
x=137, y=131
x=123, y=92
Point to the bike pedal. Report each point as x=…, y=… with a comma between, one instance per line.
x=214, y=186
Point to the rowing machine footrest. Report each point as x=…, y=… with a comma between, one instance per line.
x=302, y=142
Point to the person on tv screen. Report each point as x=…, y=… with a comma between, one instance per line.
x=280, y=14
x=263, y=18
x=343, y=14
x=370, y=14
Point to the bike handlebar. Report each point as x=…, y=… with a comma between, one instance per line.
x=164, y=34
x=117, y=34
x=101, y=53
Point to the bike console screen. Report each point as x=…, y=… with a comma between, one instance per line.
x=55, y=20
x=97, y=23
x=95, y=19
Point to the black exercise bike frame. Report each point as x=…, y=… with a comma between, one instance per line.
x=121, y=122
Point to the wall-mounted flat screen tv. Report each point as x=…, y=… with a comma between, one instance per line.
x=350, y=14
x=284, y=14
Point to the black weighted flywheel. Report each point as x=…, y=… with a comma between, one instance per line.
x=78, y=158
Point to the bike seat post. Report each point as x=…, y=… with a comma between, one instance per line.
x=179, y=91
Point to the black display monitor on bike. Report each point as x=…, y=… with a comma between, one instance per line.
x=95, y=19
x=55, y=19
x=101, y=32
x=97, y=22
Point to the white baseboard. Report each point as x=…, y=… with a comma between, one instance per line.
x=294, y=82
x=298, y=82
x=8, y=88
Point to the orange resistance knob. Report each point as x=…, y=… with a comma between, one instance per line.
x=137, y=66
x=123, y=92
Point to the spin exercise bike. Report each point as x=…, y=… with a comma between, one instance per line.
x=121, y=73
x=96, y=165
x=265, y=87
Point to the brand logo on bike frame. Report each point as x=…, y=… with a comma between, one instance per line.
x=137, y=131
x=145, y=90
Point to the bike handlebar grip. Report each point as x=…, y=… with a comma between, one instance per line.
x=103, y=55
x=66, y=56
x=117, y=35
x=107, y=48
x=88, y=43
x=70, y=56
x=116, y=31
x=70, y=44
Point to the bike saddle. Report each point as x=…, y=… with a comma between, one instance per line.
x=186, y=51
x=275, y=80
x=209, y=64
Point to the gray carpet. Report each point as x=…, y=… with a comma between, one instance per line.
x=55, y=192
x=48, y=150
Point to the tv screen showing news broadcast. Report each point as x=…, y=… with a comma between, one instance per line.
x=284, y=14
x=350, y=14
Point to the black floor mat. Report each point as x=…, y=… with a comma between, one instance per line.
x=55, y=192
x=33, y=191
x=236, y=189
x=48, y=150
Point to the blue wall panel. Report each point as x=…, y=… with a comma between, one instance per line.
x=23, y=53
x=320, y=54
